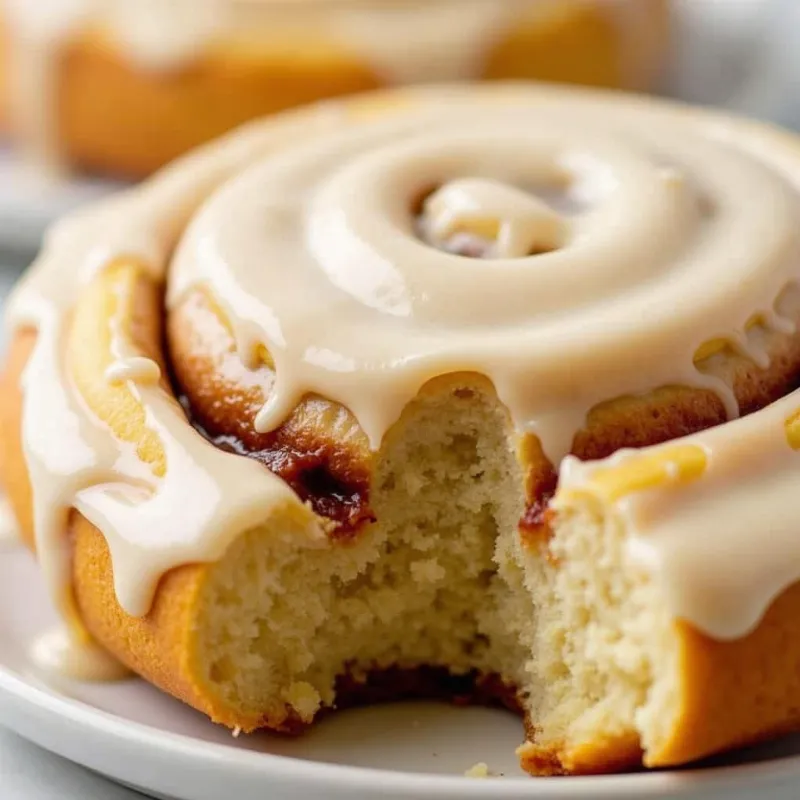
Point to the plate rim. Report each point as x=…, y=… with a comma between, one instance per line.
x=182, y=751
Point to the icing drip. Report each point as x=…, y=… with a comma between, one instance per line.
x=655, y=234
x=58, y=652
x=134, y=368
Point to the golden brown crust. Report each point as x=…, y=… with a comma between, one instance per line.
x=122, y=120
x=603, y=757
x=737, y=692
x=155, y=646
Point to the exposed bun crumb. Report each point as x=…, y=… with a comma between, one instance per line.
x=479, y=770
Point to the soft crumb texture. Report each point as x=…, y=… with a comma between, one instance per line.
x=443, y=579
x=424, y=585
x=479, y=770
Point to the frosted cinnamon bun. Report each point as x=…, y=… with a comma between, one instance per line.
x=124, y=86
x=479, y=392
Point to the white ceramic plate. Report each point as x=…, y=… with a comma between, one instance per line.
x=136, y=735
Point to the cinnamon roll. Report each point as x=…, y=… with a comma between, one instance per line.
x=124, y=86
x=481, y=392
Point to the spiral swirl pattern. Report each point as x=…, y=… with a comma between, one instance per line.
x=667, y=235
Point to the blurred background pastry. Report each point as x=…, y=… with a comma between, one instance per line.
x=121, y=87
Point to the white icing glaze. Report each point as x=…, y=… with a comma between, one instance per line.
x=410, y=42
x=674, y=228
x=517, y=221
x=725, y=544
x=135, y=368
x=59, y=653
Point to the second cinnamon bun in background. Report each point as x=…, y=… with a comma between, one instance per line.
x=124, y=86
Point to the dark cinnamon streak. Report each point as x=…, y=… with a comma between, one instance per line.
x=426, y=683
x=344, y=502
x=534, y=525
